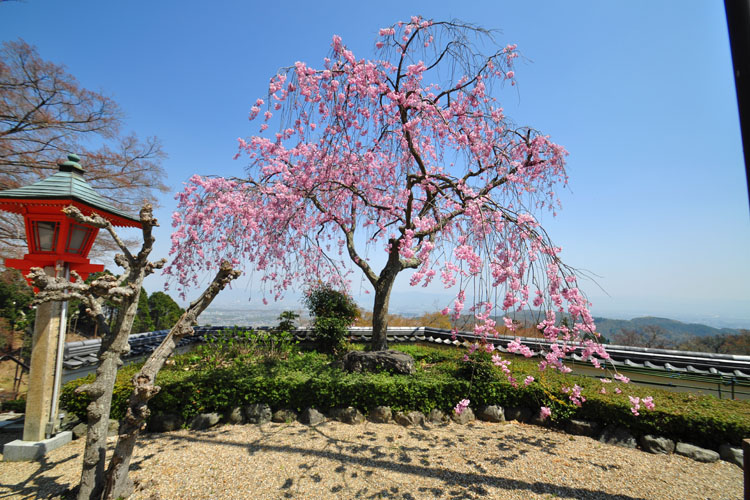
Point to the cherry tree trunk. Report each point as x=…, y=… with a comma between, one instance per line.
x=113, y=347
x=383, y=289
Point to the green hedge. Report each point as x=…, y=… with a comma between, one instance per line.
x=442, y=379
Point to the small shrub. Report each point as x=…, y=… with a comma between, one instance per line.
x=287, y=321
x=334, y=312
x=14, y=405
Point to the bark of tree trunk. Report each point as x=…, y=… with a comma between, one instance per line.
x=113, y=347
x=383, y=289
x=125, y=291
x=118, y=483
x=380, y=320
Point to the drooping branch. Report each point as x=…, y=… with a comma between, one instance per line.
x=411, y=151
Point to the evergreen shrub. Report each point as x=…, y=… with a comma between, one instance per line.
x=311, y=380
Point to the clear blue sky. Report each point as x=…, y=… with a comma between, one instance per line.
x=640, y=93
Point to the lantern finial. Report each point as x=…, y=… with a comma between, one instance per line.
x=71, y=165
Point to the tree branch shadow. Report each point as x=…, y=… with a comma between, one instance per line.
x=394, y=458
x=37, y=482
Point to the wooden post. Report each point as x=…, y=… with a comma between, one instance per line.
x=746, y=464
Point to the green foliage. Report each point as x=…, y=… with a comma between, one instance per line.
x=238, y=347
x=76, y=403
x=15, y=299
x=225, y=348
x=142, y=321
x=334, y=312
x=14, y=405
x=287, y=321
x=324, y=301
x=330, y=334
x=15, y=305
x=442, y=379
x=164, y=311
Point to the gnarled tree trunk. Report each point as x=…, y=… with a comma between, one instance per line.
x=124, y=290
x=380, y=313
x=112, y=349
x=117, y=482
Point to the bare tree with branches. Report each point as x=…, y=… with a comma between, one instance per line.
x=45, y=114
x=125, y=291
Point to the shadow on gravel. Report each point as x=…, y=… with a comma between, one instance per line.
x=393, y=457
x=35, y=483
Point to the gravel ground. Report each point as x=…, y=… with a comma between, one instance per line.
x=335, y=460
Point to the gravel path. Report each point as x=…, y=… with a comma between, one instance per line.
x=370, y=461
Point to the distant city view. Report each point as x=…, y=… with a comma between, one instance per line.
x=226, y=316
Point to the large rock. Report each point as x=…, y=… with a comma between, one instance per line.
x=465, y=417
x=519, y=413
x=80, y=430
x=380, y=415
x=582, y=428
x=348, y=415
x=69, y=421
x=536, y=419
x=311, y=416
x=204, y=421
x=696, y=453
x=234, y=416
x=656, y=444
x=731, y=454
x=618, y=436
x=438, y=417
x=492, y=413
x=258, y=414
x=379, y=361
x=166, y=422
x=411, y=419
x=284, y=416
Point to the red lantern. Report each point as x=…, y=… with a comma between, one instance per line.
x=53, y=237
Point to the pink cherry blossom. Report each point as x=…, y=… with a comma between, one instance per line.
x=648, y=402
x=461, y=406
x=407, y=154
x=635, y=401
x=622, y=378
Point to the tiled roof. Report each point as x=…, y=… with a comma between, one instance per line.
x=67, y=184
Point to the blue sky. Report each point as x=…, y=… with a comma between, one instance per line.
x=640, y=93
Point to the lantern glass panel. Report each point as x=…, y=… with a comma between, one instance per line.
x=77, y=238
x=45, y=236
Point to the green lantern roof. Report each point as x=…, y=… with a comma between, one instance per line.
x=68, y=184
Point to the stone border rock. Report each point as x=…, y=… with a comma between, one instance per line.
x=260, y=413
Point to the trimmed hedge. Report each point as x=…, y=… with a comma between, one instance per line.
x=442, y=379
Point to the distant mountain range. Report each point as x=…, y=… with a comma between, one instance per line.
x=674, y=329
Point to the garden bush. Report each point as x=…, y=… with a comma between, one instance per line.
x=333, y=312
x=14, y=405
x=309, y=379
